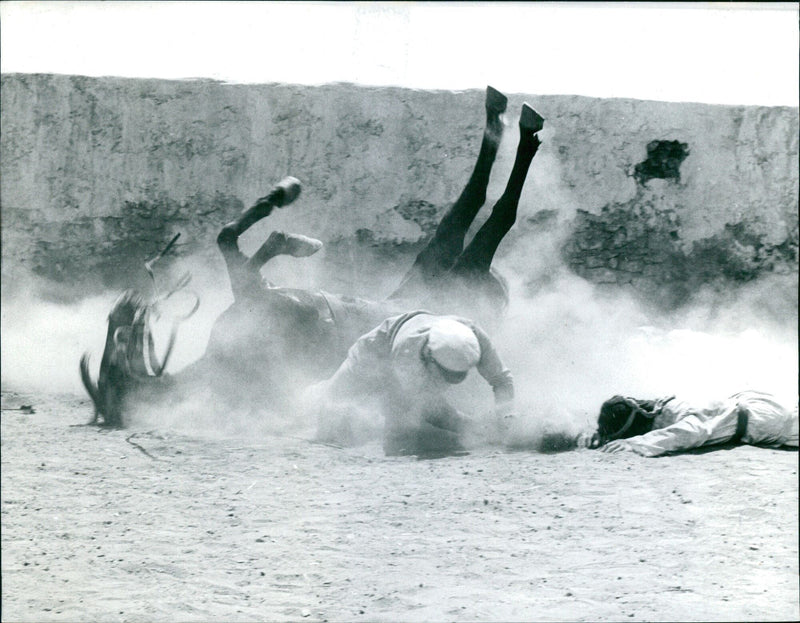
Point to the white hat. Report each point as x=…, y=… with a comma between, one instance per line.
x=453, y=345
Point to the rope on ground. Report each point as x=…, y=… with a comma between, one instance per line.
x=313, y=442
x=140, y=448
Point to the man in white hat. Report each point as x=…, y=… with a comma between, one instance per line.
x=401, y=370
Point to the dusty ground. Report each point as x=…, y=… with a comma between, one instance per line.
x=275, y=529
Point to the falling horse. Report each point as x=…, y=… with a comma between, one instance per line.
x=275, y=340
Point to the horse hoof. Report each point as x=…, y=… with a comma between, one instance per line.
x=286, y=191
x=530, y=120
x=298, y=245
x=496, y=102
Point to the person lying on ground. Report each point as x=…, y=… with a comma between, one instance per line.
x=656, y=427
x=401, y=370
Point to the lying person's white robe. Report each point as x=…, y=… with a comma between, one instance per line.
x=683, y=426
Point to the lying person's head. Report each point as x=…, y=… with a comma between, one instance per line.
x=622, y=417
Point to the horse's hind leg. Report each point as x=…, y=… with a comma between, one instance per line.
x=477, y=257
x=284, y=193
x=239, y=269
x=441, y=252
x=474, y=265
x=280, y=243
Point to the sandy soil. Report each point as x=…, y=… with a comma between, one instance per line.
x=166, y=526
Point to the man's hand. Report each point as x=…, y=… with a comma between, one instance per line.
x=618, y=445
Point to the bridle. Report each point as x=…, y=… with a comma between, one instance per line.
x=139, y=333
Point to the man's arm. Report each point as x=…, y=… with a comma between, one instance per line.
x=491, y=368
x=686, y=434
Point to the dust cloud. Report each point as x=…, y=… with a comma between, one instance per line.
x=572, y=346
x=43, y=342
x=569, y=345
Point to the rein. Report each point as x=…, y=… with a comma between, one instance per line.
x=141, y=335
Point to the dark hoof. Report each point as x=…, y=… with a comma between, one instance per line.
x=286, y=191
x=530, y=120
x=496, y=102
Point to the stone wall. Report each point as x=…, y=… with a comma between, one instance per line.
x=659, y=198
